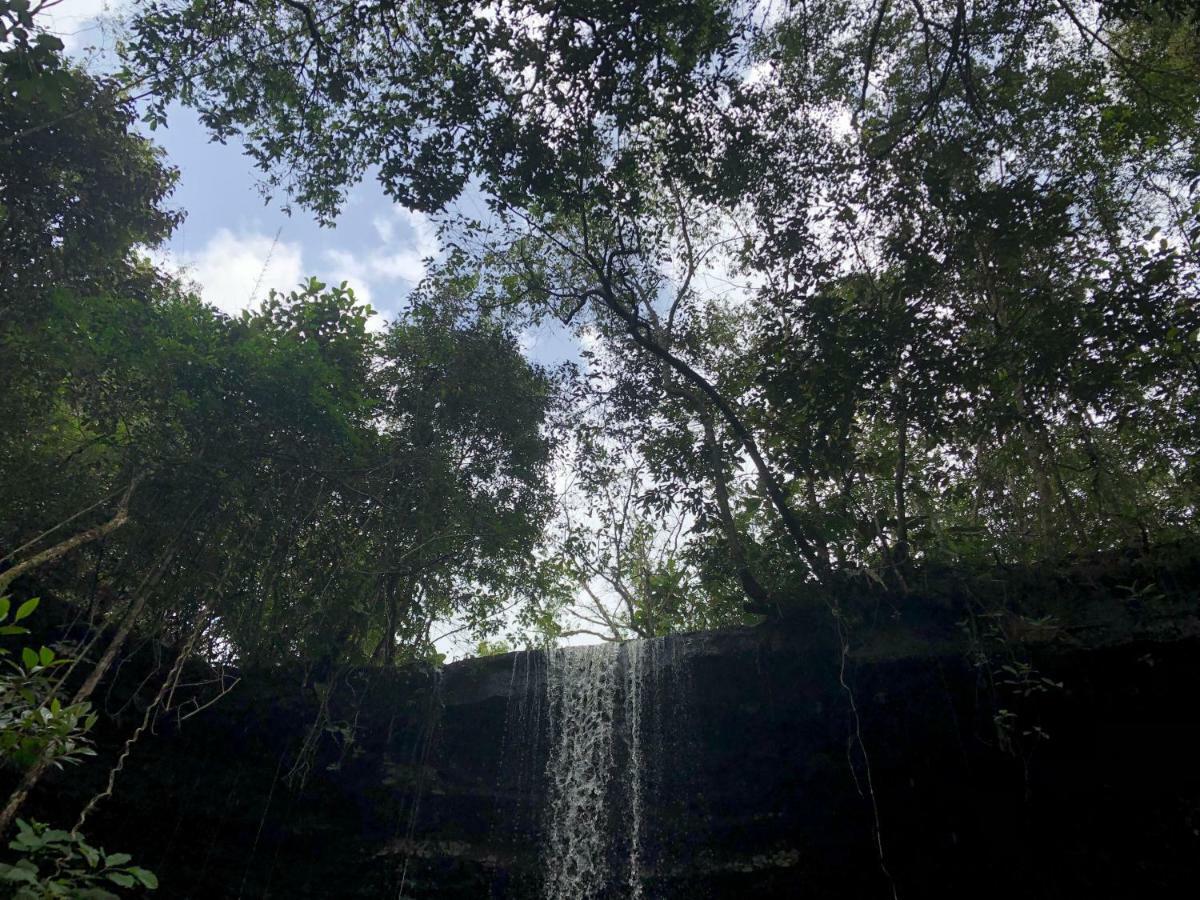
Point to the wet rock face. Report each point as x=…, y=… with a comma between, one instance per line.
x=756, y=762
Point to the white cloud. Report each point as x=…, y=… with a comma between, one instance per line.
x=400, y=255
x=407, y=262
x=345, y=267
x=384, y=228
x=527, y=340
x=423, y=229
x=404, y=264
x=80, y=22
x=231, y=266
x=236, y=271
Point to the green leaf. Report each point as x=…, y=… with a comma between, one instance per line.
x=148, y=879
x=121, y=879
x=29, y=657
x=27, y=841
x=50, y=42
x=19, y=873
x=5, y=606
x=117, y=859
x=45, y=656
x=26, y=608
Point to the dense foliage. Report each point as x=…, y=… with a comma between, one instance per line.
x=866, y=287
x=288, y=483
x=863, y=290
x=862, y=287
x=292, y=485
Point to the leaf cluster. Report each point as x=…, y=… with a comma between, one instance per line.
x=34, y=723
x=56, y=863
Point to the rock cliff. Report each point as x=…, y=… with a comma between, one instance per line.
x=993, y=755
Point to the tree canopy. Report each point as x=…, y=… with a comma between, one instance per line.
x=289, y=481
x=863, y=289
x=867, y=295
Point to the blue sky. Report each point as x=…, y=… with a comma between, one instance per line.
x=235, y=247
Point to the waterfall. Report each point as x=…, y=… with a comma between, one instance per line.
x=592, y=738
x=606, y=742
x=522, y=766
x=423, y=742
x=581, y=689
x=634, y=654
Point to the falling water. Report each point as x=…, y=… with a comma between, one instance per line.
x=422, y=745
x=521, y=765
x=581, y=688
x=593, y=737
x=634, y=653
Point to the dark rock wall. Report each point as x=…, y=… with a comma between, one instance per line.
x=758, y=777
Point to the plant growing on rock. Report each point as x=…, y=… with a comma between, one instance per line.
x=36, y=727
x=34, y=722
x=56, y=863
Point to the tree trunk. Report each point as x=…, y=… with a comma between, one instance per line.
x=812, y=551
x=64, y=547
x=760, y=598
x=35, y=772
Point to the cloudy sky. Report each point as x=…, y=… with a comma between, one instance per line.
x=235, y=246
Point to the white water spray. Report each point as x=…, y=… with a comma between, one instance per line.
x=605, y=761
x=581, y=688
x=634, y=654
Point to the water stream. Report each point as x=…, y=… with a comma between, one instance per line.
x=581, y=690
x=606, y=740
x=635, y=653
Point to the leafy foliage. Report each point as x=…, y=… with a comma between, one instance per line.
x=296, y=456
x=434, y=94
x=868, y=287
x=961, y=243
x=36, y=726
x=78, y=187
x=56, y=863
x=34, y=722
x=305, y=486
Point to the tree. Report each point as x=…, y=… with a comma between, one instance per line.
x=280, y=486
x=79, y=187
x=525, y=95
x=637, y=570
x=955, y=335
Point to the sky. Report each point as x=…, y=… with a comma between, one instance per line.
x=236, y=246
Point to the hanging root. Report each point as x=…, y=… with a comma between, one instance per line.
x=147, y=718
x=856, y=739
